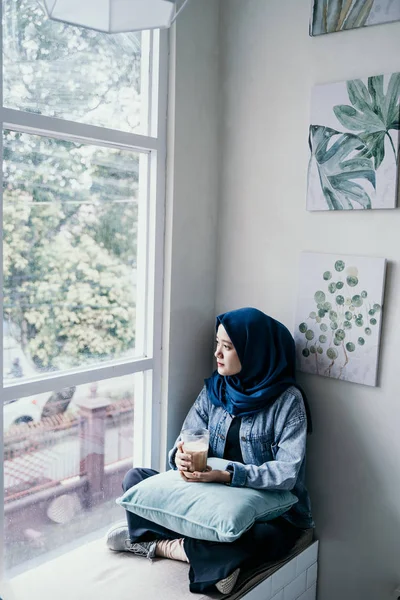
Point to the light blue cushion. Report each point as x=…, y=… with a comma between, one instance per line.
x=205, y=511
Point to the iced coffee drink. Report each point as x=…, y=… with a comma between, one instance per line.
x=195, y=443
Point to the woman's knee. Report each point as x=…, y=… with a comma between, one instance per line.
x=135, y=476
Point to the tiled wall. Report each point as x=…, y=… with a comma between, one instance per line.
x=297, y=580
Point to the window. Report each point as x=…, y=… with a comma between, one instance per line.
x=83, y=150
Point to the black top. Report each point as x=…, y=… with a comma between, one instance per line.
x=232, y=446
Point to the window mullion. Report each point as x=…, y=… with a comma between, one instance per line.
x=157, y=172
x=57, y=382
x=142, y=279
x=2, y=524
x=76, y=132
x=145, y=80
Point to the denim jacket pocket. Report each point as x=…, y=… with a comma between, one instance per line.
x=264, y=446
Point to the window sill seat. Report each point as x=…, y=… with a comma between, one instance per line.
x=92, y=571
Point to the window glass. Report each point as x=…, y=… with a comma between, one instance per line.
x=70, y=220
x=65, y=455
x=58, y=70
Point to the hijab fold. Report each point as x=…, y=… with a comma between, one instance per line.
x=266, y=352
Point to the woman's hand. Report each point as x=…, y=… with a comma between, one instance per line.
x=207, y=476
x=183, y=461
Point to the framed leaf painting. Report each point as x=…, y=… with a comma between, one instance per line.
x=339, y=316
x=354, y=144
x=329, y=16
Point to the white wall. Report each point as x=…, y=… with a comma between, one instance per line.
x=268, y=66
x=191, y=212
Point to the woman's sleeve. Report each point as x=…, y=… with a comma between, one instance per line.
x=197, y=417
x=281, y=473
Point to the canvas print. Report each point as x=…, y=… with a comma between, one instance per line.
x=329, y=16
x=354, y=144
x=339, y=314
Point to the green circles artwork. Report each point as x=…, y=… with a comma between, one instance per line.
x=352, y=281
x=332, y=287
x=339, y=265
x=340, y=334
x=319, y=297
x=342, y=297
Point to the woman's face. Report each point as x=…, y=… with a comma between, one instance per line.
x=228, y=362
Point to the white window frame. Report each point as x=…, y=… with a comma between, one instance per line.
x=147, y=403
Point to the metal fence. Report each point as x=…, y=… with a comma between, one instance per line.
x=41, y=455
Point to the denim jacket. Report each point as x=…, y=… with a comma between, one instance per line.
x=273, y=445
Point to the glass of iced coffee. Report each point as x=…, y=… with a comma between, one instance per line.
x=195, y=443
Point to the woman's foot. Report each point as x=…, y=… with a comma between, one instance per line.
x=225, y=586
x=117, y=536
x=117, y=539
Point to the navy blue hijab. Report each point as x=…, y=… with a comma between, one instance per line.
x=266, y=352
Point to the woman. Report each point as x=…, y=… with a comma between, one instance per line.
x=258, y=419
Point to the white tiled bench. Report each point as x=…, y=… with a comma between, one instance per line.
x=295, y=580
x=93, y=571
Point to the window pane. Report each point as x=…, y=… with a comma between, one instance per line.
x=66, y=454
x=70, y=251
x=69, y=72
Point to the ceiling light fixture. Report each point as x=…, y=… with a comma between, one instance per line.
x=115, y=16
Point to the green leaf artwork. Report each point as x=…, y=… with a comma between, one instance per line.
x=373, y=114
x=337, y=171
x=329, y=16
x=337, y=335
x=354, y=144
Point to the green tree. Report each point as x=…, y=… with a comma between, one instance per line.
x=69, y=259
